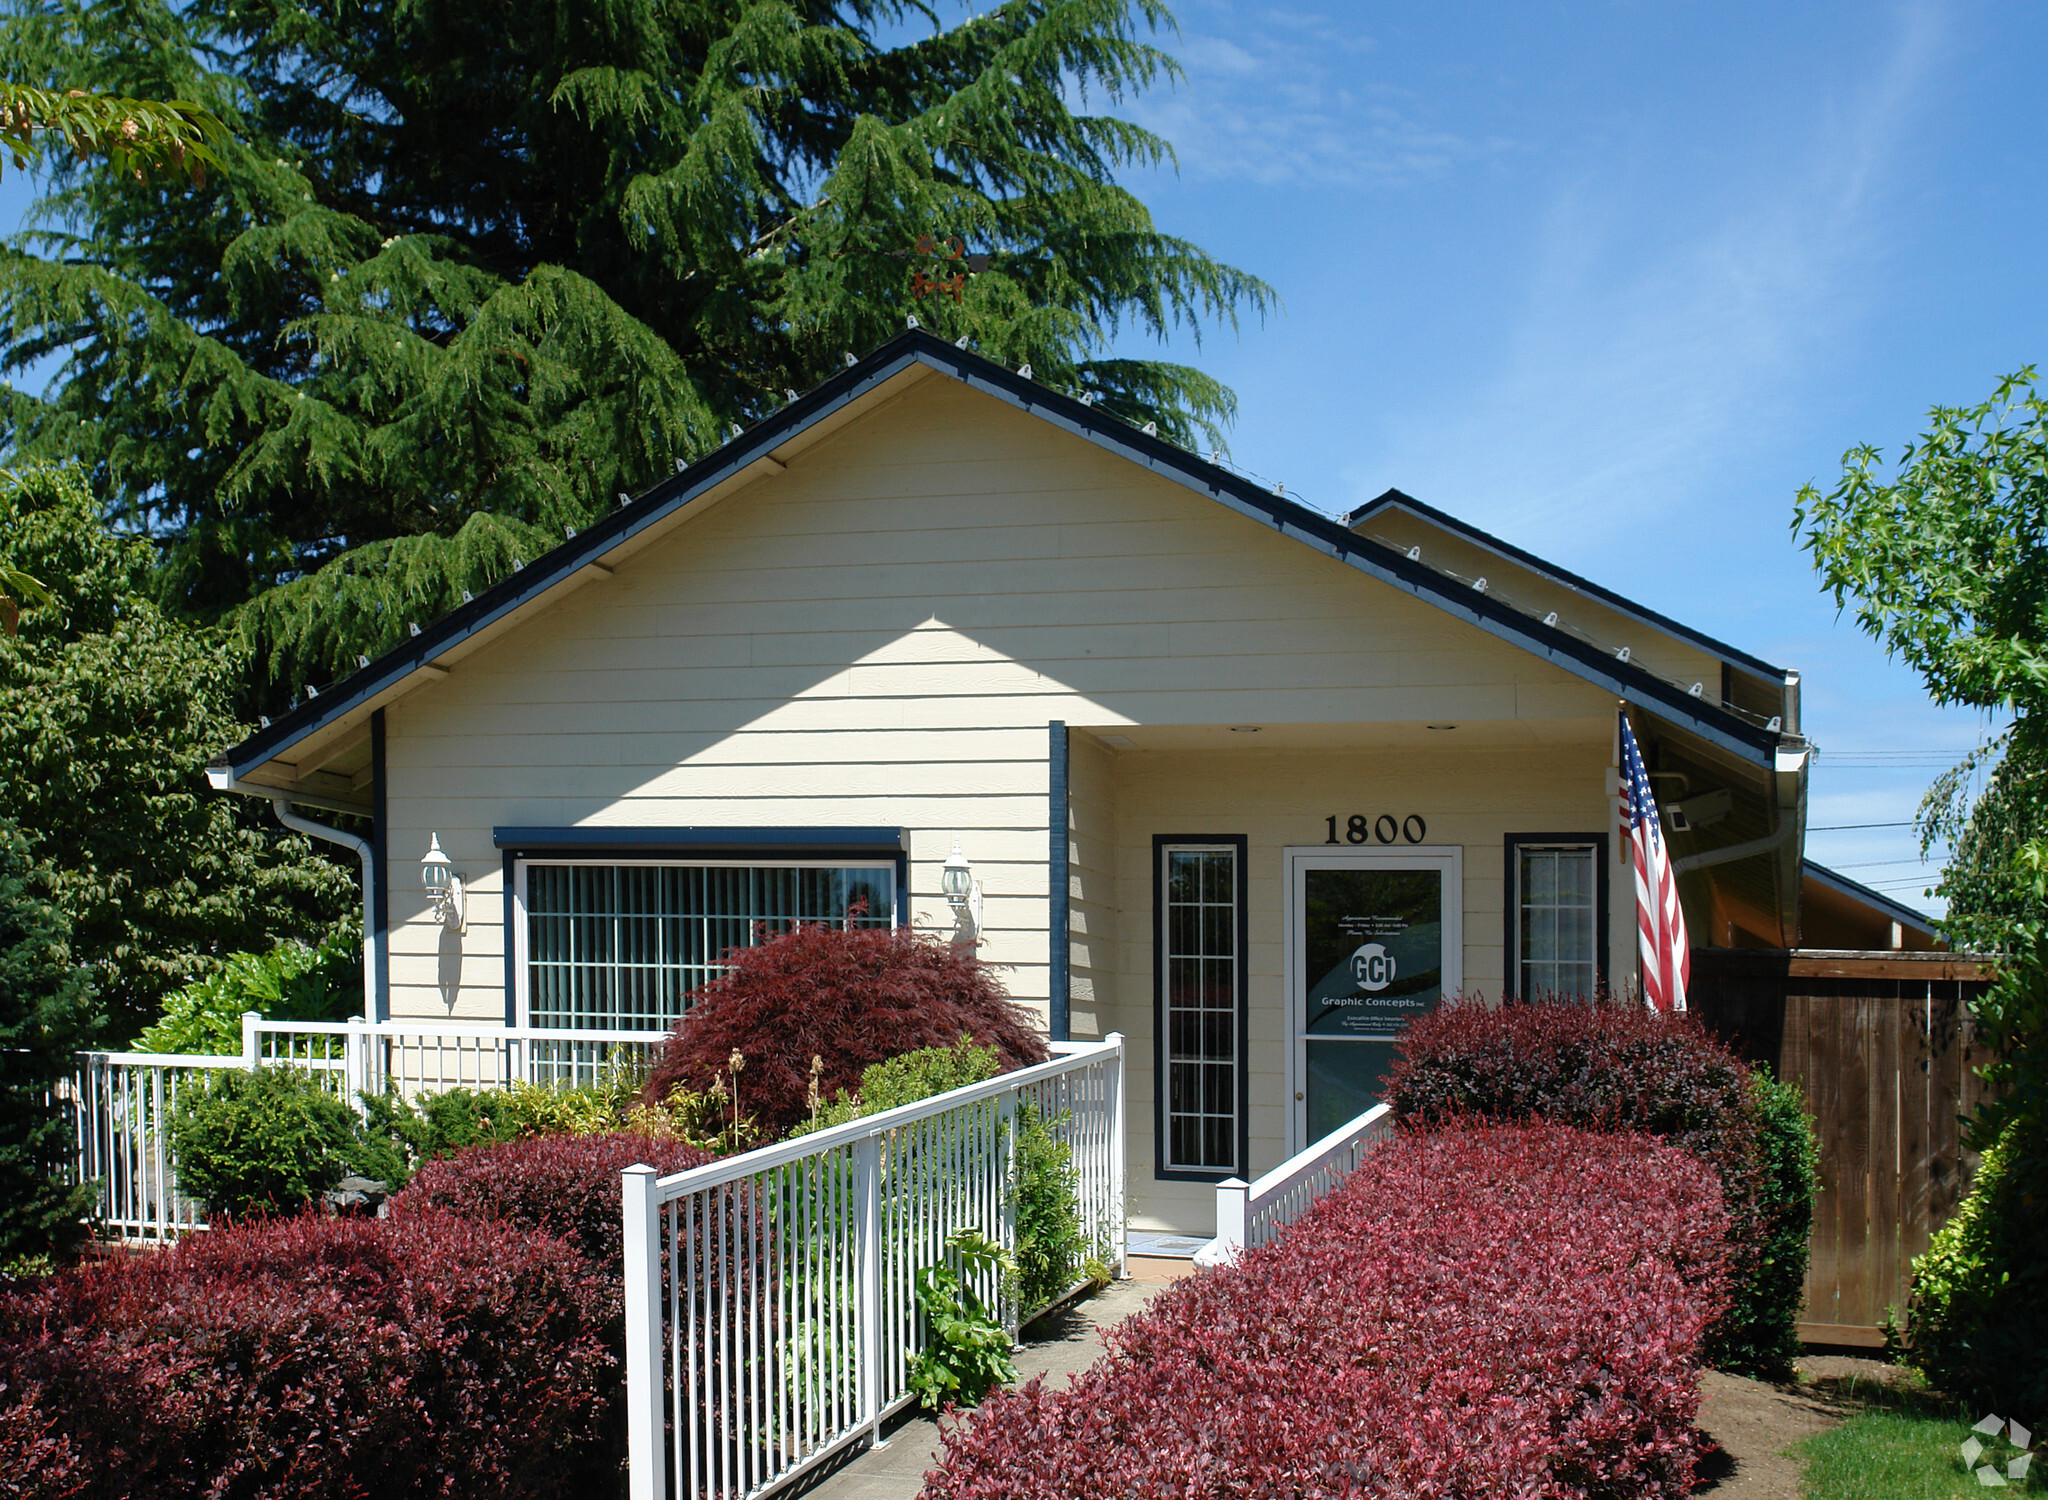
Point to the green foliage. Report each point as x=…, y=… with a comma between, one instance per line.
x=1050, y=1246
x=464, y=275
x=45, y=1016
x=108, y=713
x=1978, y=1324
x=267, y=1140
x=906, y=1079
x=1946, y=566
x=292, y=982
x=2012, y=1016
x=1760, y=1332
x=135, y=136
x=967, y=1352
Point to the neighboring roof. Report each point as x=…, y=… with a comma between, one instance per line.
x=1884, y=905
x=1395, y=498
x=1667, y=700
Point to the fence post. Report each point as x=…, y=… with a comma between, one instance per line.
x=252, y=1059
x=355, y=1066
x=646, y=1455
x=867, y=1254
x=1119, y=1208
x=1233, y=1219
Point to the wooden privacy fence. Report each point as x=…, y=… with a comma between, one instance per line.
x=1885, y=1050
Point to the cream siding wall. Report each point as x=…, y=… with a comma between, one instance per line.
x=1469, y=798
x=1649, y=646
x=1093, y=907
x=879, y=636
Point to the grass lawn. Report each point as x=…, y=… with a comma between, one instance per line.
x=1901, y=1443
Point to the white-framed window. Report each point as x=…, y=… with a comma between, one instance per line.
x=1201, y=1006
x=622, y=943
x=1557, y=893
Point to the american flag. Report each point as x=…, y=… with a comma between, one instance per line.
x=1660, y=921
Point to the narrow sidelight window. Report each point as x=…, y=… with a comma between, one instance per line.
x=1201, y=940
x=1557, y=910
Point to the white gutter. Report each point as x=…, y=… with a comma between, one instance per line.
x=366, y=852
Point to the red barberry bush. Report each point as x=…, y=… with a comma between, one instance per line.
x=561, y=1185
x=1508, y=1311
x=850, y=998
x=308, y=1357
x=1623, y=1067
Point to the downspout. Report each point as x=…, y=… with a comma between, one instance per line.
x=367, y=853
x=1789, y=770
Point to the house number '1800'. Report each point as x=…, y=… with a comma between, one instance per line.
x=1359, y=829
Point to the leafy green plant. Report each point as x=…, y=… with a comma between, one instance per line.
x=45, y=1016
x=1051, y=1248
x=266, y=1140
x=967, y=1353
x=907, y=1079
x=292, y=982
x=1762, y=1318
x=1978, y=1323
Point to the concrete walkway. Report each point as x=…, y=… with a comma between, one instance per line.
x=1066, y=1343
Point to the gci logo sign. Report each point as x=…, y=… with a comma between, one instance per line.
x=1372, y=968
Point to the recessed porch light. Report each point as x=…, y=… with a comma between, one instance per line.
x=1443, y=726
x=1246, y=728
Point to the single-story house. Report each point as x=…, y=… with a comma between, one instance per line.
x=1249, y=784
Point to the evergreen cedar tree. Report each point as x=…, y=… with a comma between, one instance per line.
x=1945, y=564
x=45, y=1017
x=326, y=1359
x=1508, y=1311
x=464, y=274
x=1619, y=1067
x=851, y=997
x=109, y=709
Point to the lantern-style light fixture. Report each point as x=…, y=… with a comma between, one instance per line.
x=962, y=890
x=443, y=885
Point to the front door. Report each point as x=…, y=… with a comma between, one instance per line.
x=1374, y=939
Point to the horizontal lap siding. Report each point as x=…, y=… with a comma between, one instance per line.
x=878, y=637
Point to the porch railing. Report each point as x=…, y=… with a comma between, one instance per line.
x=1250, y=1214
x=770, y=1306
x=122, y=1102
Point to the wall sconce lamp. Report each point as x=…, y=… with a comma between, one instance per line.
x=444, y=886
x=963, y=891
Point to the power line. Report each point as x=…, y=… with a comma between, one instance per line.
x=1843, y=827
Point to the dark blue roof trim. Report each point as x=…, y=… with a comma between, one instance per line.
x=698, y=840
x=1905, y=916
x=1626, y=680
x=1552, y=571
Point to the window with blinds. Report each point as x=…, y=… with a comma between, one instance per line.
x=1557, y=920
x=623, y=945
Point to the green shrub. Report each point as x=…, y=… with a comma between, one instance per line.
x=292, y=982
x=45, y=1016
x=1050, y=1245
x=1977, y=1327
x=262, y=1141
x=1764, y=1316
x=967, y=1353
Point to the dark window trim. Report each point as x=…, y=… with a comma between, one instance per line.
x=1511, y=905
x=1160, y=1041
x=380, y=866
x=626, y=845
x=1059, y=954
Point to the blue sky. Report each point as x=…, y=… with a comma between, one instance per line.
x=1613, y=279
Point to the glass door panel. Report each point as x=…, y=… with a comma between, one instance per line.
x=1373, y=942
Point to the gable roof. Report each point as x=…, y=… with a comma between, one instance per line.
x=525, y=587
x=1395, y=500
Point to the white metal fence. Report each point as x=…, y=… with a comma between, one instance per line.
x=769, y=1297
x=1250, y=1214
x=123, y=1101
